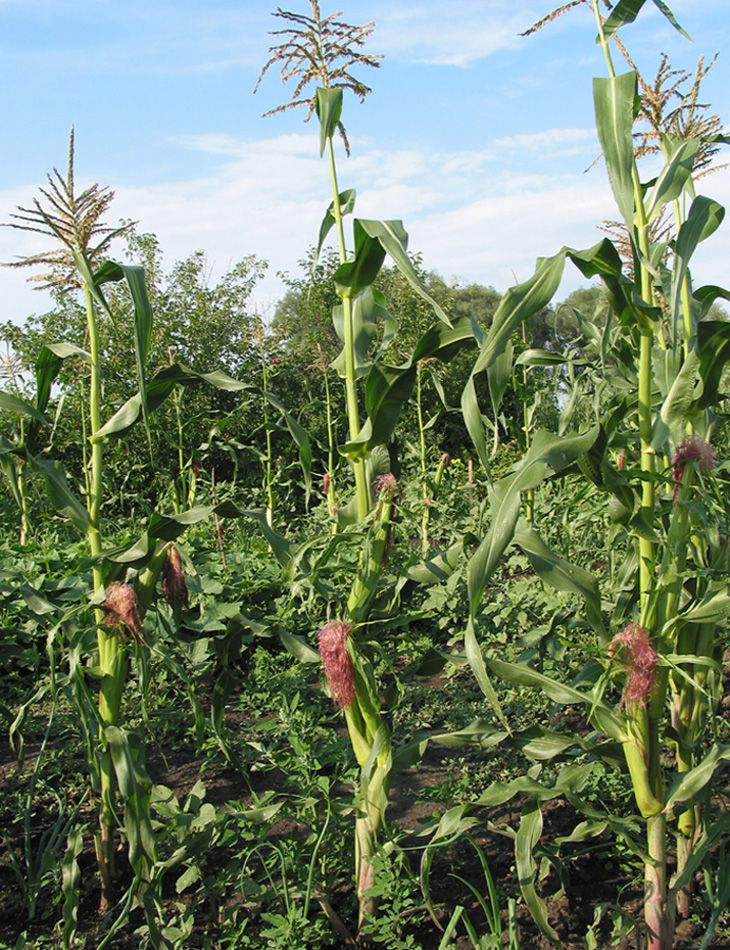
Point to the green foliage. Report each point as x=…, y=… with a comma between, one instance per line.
x=595, y=528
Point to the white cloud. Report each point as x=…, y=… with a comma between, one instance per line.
x=267, y=197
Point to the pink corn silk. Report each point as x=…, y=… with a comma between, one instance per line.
x=386, y=488
x=640, y=661
x=691, y=450
x=337, y=663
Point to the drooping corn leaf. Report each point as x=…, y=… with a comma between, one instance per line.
x=22, y=407
x=393, y=238
x=60, y=494
x=626, y=11
x=561, y=574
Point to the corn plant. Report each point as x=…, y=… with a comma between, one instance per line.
x=322, y=50
x=658, y=641
x=74, y=221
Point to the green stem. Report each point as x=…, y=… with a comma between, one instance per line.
x=179, y=496
x=659, y=918
x=646, y=545
x=112, y=660
x=353, y=416
x=530, y=493
x=331, y=504
x=363, y=590
x=426, y=517
x=269, y=471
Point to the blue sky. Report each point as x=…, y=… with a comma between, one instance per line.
x=482, y=141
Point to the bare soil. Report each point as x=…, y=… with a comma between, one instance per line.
x=590, y=880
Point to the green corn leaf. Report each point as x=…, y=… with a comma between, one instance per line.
x=713, y=608
x=505, y=510
x=168, y=378
x=674, y=177
x=22, y=407
x=450, y=929
x=541, y=744
x=37, y=603
x=518, y=304
x=409, y=755
x=170, y=527
x=347, y=206
x=70, y=885
x=135, y=278
x=547, y=450
x=47, y=367
x=388, y=388
x=476, y=661
x=328, y=103
x=604, y=261
x=713, y=343
x=608, y=722
x=526, y=676
x=368, y=308
x=135, y=789
x=352, y=277
x=528, y=835
x=393, y=238
x=614, y=99
x=438, y=568
x=499, y=376
x=675, y=412
x=82, y=266
x=301, y=440
x=626, y=11
x=473, y=420
x=561, y=574
x=687, y=785
x=453, y=822
x=60, y=494
x=582, y=831
x=263, y=813
x=8, y=467
x=538, y=357
x=299, y=648
x=159, y=388
x=142, y=331
x=705, y=216
x=478, y=733
x=387, y=391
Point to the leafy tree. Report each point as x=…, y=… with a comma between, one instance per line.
x=202, y=324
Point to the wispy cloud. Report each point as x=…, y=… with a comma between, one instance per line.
x=470, y=221
x=454, y=34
